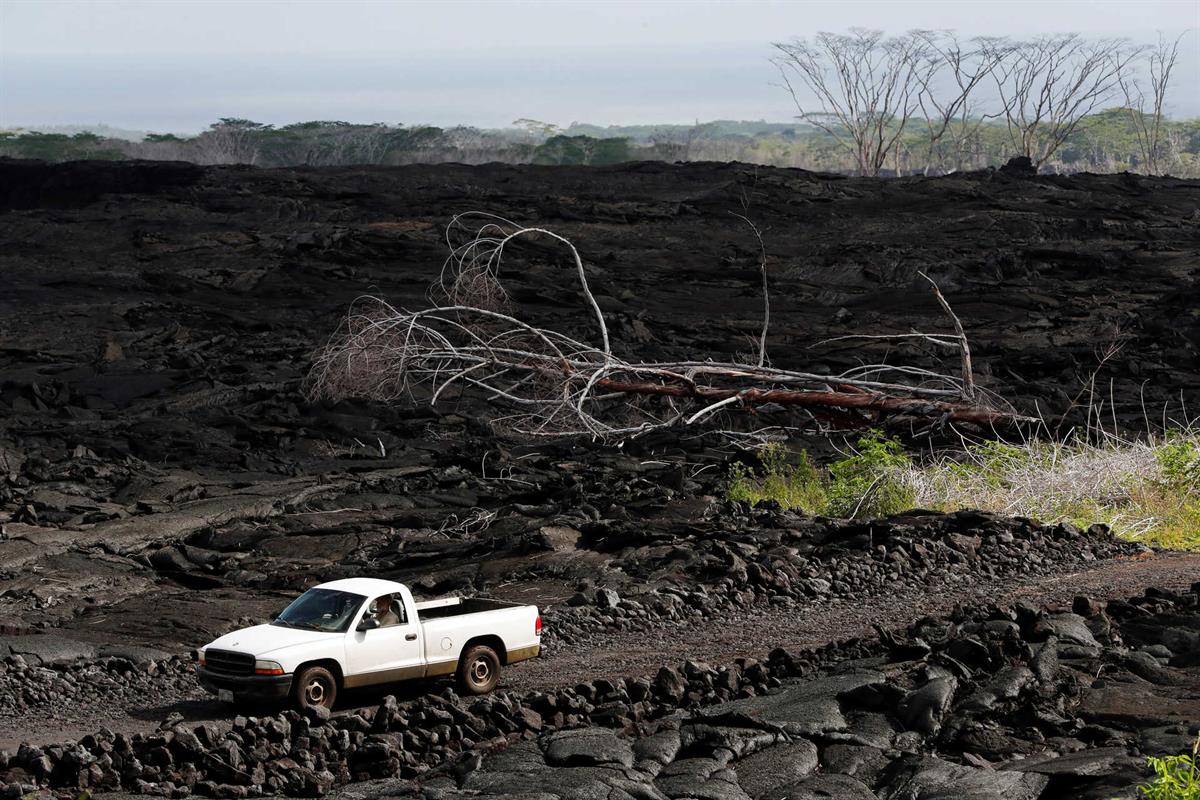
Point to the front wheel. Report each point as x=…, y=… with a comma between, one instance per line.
x=314, y=686
x=479, y=670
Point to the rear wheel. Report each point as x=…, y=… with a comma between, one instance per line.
x=479, y=670
x=314, y=686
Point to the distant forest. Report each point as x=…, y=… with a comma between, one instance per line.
x=924, y=102
x=1103, y=142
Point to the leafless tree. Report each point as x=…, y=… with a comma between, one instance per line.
x=1148, y=123
x=866, y=87
x=560, y=385
x=1049, y=84
x=469, y=145
x=230, y=141
x=950, y=83
x=372, y=142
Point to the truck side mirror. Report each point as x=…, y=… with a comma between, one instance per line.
x=368, y=624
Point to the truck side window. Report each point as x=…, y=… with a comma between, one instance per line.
x=389, y=610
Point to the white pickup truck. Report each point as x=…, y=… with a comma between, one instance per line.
x=365, y=631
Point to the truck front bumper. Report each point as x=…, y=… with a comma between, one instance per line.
x=257, y=687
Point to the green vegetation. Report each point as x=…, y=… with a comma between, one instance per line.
x=866, y=482
x=1147, y=490
x=796, y=486
x=1175, y=777
x=582, y=150
x=869, y=481
x=59, y=146
x=1104, y=142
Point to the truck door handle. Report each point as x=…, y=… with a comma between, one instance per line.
x=410, y=637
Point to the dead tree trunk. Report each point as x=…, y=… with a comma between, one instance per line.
x=555, y=385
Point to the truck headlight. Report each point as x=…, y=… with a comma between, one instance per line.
x=267, y=668
x=200, y=656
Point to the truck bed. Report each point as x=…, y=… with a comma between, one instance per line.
x=472, y=605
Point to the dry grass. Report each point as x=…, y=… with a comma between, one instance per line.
x=1147, y=490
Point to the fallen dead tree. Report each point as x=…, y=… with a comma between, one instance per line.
x=552, y=384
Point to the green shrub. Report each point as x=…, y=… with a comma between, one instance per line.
x=1179, y=459
x=1175, y=777
x=869, y=482
x=866, y=483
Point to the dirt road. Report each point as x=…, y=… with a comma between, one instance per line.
x=720, y=640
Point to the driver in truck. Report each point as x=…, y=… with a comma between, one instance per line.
x=383, y=610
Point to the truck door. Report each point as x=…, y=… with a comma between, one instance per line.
x=391, y=652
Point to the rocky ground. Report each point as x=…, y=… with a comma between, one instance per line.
x=987, y=704
x=164, y=479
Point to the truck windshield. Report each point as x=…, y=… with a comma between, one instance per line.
x=321, y=610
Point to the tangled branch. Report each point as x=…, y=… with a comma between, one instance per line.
x=556, y=385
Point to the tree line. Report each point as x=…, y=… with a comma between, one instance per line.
x=325, y=143
x=869, y=104
x=1108, y=141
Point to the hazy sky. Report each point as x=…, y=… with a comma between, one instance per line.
x=177, y=65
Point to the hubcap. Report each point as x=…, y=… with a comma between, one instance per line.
x=315, y=692
x=480, y=670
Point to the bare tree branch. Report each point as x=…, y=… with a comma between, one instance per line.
x=949, y=108
x=1047, y=86
x=968, y=374
x=556, y=385
x=762, y=342
x=1148, y=124
x=865, y=86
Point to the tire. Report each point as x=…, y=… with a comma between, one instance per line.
x=479, y=670
x=314, y=686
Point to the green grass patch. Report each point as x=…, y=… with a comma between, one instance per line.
x=789, y=479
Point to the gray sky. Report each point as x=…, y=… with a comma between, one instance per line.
x=177, y=65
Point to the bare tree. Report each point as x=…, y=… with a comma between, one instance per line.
x=1049, y=84
x=950, y=82
x=866, y=87
x=230, y=141
x=1148, y=124
x=372, y=142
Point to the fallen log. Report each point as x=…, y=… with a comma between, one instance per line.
x=557, y=385
x=854, y=398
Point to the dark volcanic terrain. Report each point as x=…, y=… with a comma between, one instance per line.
x=164, y=480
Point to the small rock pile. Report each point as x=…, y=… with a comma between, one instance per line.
x=989, y=703
x=106, y=681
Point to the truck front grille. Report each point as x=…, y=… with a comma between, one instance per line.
x=227, y=662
